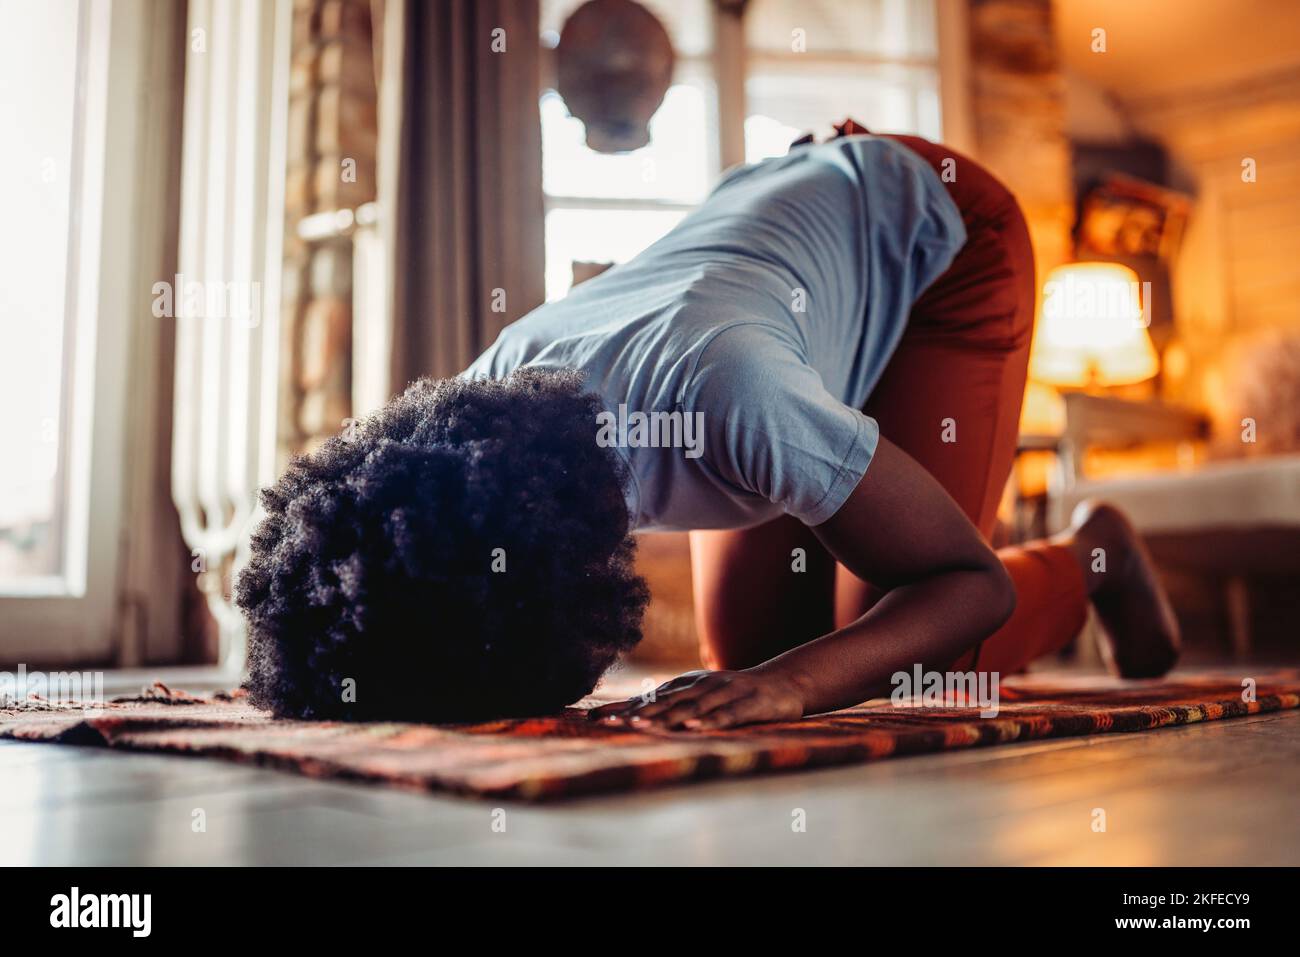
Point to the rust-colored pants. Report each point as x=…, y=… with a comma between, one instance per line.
x=963, y=357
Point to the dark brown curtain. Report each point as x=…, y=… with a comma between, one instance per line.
x=469, y=230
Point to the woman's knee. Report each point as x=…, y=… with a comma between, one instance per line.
x=759, y=592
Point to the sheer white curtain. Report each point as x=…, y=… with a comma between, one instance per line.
x=227, y=291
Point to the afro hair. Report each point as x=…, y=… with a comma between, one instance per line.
x=463, y=555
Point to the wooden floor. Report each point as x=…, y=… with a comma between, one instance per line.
x=1222, y=793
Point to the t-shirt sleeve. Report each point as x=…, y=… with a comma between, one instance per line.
x=771, y=428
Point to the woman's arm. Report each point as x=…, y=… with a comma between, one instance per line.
x=946, y=591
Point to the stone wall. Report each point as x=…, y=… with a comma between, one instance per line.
x=1018, y=107
x=330, y=169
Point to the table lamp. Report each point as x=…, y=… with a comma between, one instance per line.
x=1092, y=333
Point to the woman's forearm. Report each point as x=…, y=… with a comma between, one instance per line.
x=930, y=622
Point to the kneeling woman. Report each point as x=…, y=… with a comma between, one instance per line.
x=849, y=325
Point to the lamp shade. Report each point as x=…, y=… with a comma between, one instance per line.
x=1092, y=330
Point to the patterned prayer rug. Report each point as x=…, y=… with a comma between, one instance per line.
x=566, y=755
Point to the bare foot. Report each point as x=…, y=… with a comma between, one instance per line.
x=1140, y=629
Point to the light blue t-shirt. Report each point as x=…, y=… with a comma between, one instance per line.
x=750, y=336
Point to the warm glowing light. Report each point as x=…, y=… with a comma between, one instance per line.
x=1093, y=328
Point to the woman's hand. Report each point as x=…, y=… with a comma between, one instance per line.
x=708, y=700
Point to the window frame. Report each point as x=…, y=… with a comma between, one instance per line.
x=947, y=13
x=68, y=616
x=98, y=609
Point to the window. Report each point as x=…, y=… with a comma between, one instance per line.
x=811, y=64
x=608, y=207
x=86, y=550
x=42, y=524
